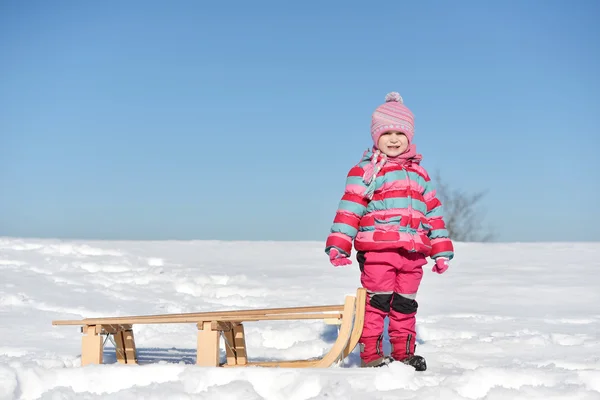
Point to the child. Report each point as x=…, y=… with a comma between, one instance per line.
x=391, y=212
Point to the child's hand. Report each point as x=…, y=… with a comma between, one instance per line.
x=441, y=265
x=338, y=259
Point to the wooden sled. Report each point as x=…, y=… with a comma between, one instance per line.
x=229, y=325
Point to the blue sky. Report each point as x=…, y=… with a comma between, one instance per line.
x=240, y=120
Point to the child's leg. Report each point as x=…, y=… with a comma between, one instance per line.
x=402, y=329
x=378, y=276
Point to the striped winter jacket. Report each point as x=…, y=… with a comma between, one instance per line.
x=403, y=212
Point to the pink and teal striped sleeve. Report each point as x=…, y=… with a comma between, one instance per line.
x=441, y=245
x=351, y=208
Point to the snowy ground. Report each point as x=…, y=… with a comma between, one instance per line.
x=507, y=321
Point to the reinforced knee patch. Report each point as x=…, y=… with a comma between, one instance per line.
x=381, y=301
x=404, y=305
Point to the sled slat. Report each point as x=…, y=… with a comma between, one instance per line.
x=199, y=316
x=196, y=319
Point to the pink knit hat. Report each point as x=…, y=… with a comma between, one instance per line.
x=393, y=115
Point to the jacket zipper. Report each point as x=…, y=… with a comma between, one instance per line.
x=409, y=225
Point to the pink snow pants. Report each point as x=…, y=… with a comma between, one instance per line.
x=392, y=279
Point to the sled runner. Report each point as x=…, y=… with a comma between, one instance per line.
x=230, y=326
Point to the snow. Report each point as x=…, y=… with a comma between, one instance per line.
x=507, y=321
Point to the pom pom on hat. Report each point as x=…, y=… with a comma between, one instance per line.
x=394, y=96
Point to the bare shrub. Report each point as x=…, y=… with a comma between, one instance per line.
x=462, y=214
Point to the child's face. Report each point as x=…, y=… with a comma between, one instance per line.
x=392, y=144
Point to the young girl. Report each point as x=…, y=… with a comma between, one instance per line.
x=391, y=212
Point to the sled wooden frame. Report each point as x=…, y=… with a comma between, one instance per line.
x=229, y=325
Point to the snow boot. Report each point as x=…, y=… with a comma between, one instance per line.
x=417, y=362
x=370, y=352
x=403, y=350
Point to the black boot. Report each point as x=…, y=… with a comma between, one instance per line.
x=417, y=362
x=403, y=350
